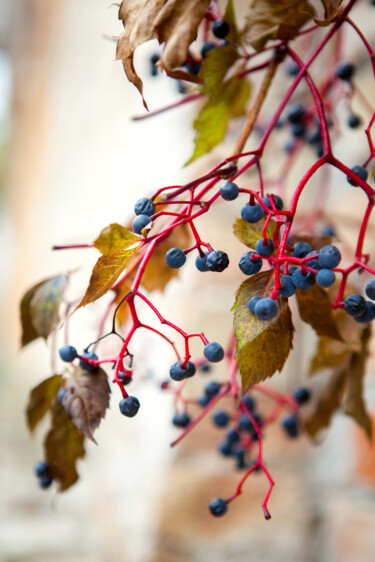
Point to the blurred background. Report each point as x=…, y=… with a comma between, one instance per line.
x=71, y=162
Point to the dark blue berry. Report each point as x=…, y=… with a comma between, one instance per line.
x=245, y=424
x=328, y=230
x=239, y=454
x=229, y=191
x=301, y=395
x=345, y=71
x=220, y=28
x=213, y=352
x=287, y=288
x=125, y=379
x=206, y=368
x=354, y=121
x=217, y=261
x=355, y=305
x=221, y=418
x=277, y=201
x=368, y=315
x=303, y=281
x=153, y=68
x=315, y=136
x=90, y=356
x=301, y=249
x=295, y=113
x=211, y=389
x=298, y=130
x=41, y=469
x=233, y=436
x=225, y=449
x=370, y=290
x=179, y=373
x=203, y=401
x=329, y=257
x=201, y=263
x=129, y=406
x=266, y=309
x=252, y=302
x=249, y=402
x=320, y=150
x=252, y=213
x=45, y=482
x=60, y=395
x=314, y=263
x=193, y=66
x=265, y=247
x=250, y=266
x=291, y=426
x=144, y=206
x=292, y=69
x=325, y=278
x=207, y=46
x=175, y=258
x=361, y=172
x=139, y=223
x=218, y=507
x=181, y=420
x=68, y=353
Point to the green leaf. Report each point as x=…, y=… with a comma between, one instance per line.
x=262, y=347
x=249, y=234
x=211, y=123
x=40, y=400
x=315, y=309
x=215, y=66
x=86, y=399
x=229, y=16
x=114, y=238
x=63, y=447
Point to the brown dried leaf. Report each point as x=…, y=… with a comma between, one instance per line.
x=63, y=447
x=262, y=347
x=86, y=399
x=40, y=400
x=29, y=333
x=315, y=309
x=249, y=234
x=354, y=405
x=268, y=19
x=331, y=8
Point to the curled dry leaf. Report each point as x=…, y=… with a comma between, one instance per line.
x=331, y=8
x=86, y=399
x=262, y=347
x=40, y=400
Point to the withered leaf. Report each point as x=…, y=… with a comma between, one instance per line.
x=354, y=405
x=86, y=399
x=233, y=36
x=40, y=400
x=215, y=66
x=331, y=8
x=40, y=308
x=114, y=238
x=249, y=234
x=63, y=447
x=262, y=347
x=315, y=309
x=268, y=19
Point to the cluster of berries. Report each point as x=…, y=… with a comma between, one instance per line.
x=42, y=472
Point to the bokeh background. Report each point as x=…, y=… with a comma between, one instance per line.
x=71, y=162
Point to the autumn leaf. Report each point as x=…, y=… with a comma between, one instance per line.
x=249, y=234
x=86, y=399
x=63, y=447
x=315, y=309
x=114, y=238
x=215, y=67
x=40, y=400
x=268, y=19
x=233, y=36
x=331, y=9
x=40, y=308
x=262, y=347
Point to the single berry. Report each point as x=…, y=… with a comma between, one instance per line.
x=179, y=373
x=225, y=449
x=329, y=257
x=203, y=401
x=90, y=356
x=220, y=28
x=175, y=258
x=345, y=71
x=368, y=315
x=325, y=278
x=292, y=68
x=41, y=469
x=250, y=266
x=129, y=406
x=252, y=302
x=361, y=172
x=370, y=290
x=265, y=247
x=301, y=249
x=354, y=121
x=303, y=281
x=60, y=395
x=45, y=482
x=181, y=420
x=220, y=419
x=206, y=368
x=278, y=202
x=213, y=352
x=301, y=395
x=233, y=436
x=68, y=353
x=328, y=230
x=252, y=213
x=125, y=379
x=211, y=389
x=144, y=206
x=218, y=507
x=287, y=288
x=245, y=423
x=207, y=46
x=229, y=191
x=266, y=309
x=291, y=426
x=355, y=305
x=217, y=261
x=201, y=262
x=249, y=402
x=295, y=113
x=139, y=223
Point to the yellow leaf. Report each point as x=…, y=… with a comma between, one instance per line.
x=113, y=238
x=249, y=234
